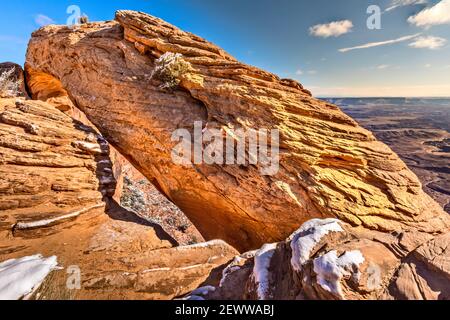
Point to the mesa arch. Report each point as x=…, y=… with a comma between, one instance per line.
x=329, y=166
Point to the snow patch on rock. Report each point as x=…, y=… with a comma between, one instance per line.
x=198, y=294
x=94, y=148
x=47, y=222
x=203, y=245
x=203, y=291
x=231, y=268
x=330, y=269
x=307, y=237
x=19, y=278
x=261, y=272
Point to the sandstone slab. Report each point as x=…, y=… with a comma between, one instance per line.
x=329, y=165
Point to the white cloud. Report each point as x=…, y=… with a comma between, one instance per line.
x=382, y=43
x=428, y=42
x=402, y=3
x=383, y=66
x=427, y=65
x=332, y=29
x=312, y=72
x=438, y=14
x=299, y=72
x=42, y=20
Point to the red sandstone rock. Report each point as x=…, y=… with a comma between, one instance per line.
x=329, y=166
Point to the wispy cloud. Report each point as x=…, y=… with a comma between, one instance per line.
x=383, y=66
x=299, y=72
x=42, y=20
x=332, y=29
x=312, y=72
x=438, y=14
x=428, y=42
x=428, y=65
x=382, y=43
x=402, y=3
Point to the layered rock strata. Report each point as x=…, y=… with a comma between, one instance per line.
x=329, y=166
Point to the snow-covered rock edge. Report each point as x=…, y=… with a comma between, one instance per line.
x=19, y=278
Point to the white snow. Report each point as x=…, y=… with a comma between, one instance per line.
x=21, y=277
x=203, y=245
x=191, y=267
x=261, y=272
x=307, y=237
x=197, y=294
x=89, y=146
x=330, y=270
x=193, y=298
x=46, y=222
x=232, y=267
x=156, y=270
x=203, y=291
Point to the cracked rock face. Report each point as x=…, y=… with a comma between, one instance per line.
x=330, y=260
x=56, y=200
x=329, y=166
x=53, y=169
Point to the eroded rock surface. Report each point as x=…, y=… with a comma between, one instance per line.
x=52, y=167
x=56, y=200
x=329, y=166
x=17, y=76
x=330, y=260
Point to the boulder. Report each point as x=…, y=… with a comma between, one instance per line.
x=327, y=259
x=329, y=166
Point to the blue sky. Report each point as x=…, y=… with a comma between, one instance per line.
x=292, y=38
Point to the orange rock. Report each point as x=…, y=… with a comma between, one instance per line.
x=56, y=188
x=329, y=166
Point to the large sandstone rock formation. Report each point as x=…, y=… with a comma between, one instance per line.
x=329, y=166
x=56, y=199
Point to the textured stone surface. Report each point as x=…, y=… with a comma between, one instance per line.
x=343, y=263
x=53, y=169
x=330, y=167
x=56, y=199
x=18, y=75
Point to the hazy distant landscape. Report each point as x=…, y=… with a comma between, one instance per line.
x=417, y=129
